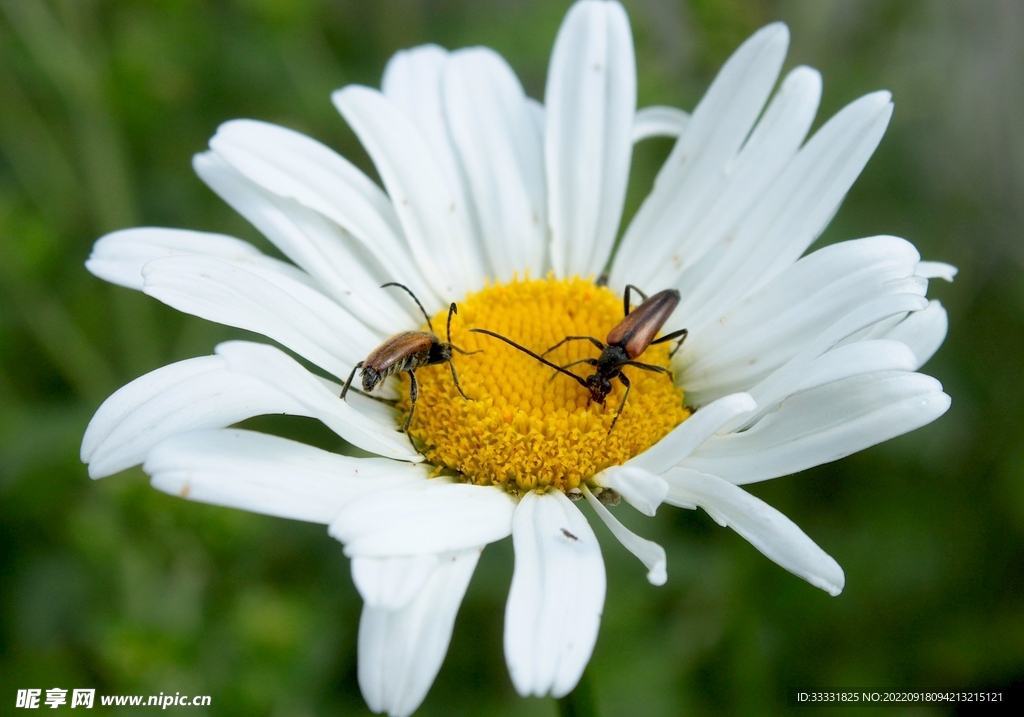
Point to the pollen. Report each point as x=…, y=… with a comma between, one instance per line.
x=525, y=426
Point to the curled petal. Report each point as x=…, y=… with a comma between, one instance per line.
x=922, y=331
x=648, y=552
x=936, y=270
x=658, y=121
x=765, y=528
x=641, y=488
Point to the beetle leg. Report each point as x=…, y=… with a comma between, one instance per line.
x=414, y=392
x=625, y=382
x=591, y=339
x=351, y=376
x=464, y=352
x=455, y=378
x=681, y=335
x=625, y=298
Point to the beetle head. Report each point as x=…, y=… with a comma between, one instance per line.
x=370, y=379
x=599, y=387
x=440, y=352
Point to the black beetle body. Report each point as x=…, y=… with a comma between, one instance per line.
x=625, y=343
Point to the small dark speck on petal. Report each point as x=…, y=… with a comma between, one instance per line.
x=569, y=535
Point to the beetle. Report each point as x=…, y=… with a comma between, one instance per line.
x=624, y=344
x=408, y=351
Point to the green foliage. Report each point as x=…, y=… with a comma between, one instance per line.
x=115, y=586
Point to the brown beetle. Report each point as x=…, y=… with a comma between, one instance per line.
x=625, y=343
x=407, y=352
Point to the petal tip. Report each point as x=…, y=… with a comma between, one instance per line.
x=657, y=575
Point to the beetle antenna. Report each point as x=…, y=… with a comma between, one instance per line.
x=409, y=292
x=453, y=309
x=527, y=351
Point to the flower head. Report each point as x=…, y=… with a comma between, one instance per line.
x=511, y=209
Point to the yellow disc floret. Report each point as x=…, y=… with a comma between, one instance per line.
x=526, y=426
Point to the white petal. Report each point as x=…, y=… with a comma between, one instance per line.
x=648, y=552
x=413, y=82
x=183, y=396
x=292, y=165
x=378, y=411
x=347, y=272
x=432, y=212
x=700, y=165
x=432, y=517
x=923, y=331
x=280, y=371
x=936, y=270
x=788, y=379
x=557, y=595
x=590, y=99
x=502, y=154
x=822, y=425
x=641, y=488
x=274, y=305
x=854, y=359
x=658, y=121
x=401, y=651
x=391, y=583
x=691, y=433
x=765, y=528
x=741, y=345
x=790, y=214
x=538, y=114
x=118, y=257
x=269, y=475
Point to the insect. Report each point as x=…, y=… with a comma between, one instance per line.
x=625, y=343
x=407, y=352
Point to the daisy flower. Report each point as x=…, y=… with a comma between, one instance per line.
x=511, y=208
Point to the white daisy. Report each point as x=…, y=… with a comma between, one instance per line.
x=792, y=361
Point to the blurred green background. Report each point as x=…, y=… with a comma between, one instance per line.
x=113, y=585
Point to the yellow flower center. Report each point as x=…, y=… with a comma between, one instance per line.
x=527, y=426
